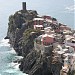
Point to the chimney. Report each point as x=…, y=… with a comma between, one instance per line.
x=24, y=5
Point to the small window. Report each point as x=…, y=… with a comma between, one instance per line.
x=44, y=38
x=73, y=41
x=47, y=43
x=44, y=43
x=36, y=27
x=69, y=62
x=41, y=28
x=37, y=22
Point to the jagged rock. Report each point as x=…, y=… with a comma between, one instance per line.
x=6, y=37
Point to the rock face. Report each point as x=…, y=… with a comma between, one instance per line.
x=18, y=25
x=22, y=40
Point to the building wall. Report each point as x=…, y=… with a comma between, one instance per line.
x=47, y=17
x=40, y=27
x=48, y=40
x=38, y=22
x=70, y=44
x=43, y=49
x=73, y=63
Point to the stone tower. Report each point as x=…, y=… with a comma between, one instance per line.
x=24, y=5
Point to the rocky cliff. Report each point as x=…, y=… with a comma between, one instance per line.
x=20, y=28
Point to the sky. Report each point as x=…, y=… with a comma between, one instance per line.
x=40, y=5
x=43, y=7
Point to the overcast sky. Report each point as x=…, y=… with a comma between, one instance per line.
x=40, y=5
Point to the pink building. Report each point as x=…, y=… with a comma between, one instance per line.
x=38, y=23
x=44, y=43
x=64, y=27
x=47, y=18
x=47, y=39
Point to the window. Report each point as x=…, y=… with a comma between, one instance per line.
x=69, y=61
x=36, y=27
x=41, y=28
x=41, y=22
x=48, y=43
x=44, y=39
x=37, y=22
x=44, y=43
x=73, y=41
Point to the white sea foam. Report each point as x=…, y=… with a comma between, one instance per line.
x=14, y=69
x=14, y=65
x=4, y=42
x=10, y=71
x=18, y=57
x=12, y=51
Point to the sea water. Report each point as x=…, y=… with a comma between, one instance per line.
x=7, y=56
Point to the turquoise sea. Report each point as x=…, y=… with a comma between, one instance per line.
x=7, y=56
x=7, y=53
